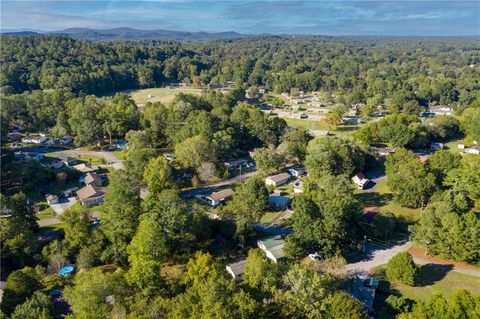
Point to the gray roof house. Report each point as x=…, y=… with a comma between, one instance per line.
x=237, y=269
x=216, y=198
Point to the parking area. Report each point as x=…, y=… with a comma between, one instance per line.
x=63, y=205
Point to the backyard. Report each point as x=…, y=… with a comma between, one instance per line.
x=162, y=95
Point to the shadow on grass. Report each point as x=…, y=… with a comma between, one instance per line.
x=373, y=199
x=429, y=274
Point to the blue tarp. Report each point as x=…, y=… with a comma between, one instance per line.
x=66, y=270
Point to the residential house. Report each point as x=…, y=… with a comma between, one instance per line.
x=296, y=171
x=216, y=198
x=279, y=202
x=90, y=195
x=52, y=199
x=273, y=247
x=237, y=269
x=360, y=180
x=436, y=146
x=56, y=164
x=84, y=168
x=475, y=149
x=363, y=289
x=461, y=146
x=234, y=164
x=34, y=139
x=93, y=179
x=277, y=180
x=316, y=104
x=442, y=110
x=69, y=161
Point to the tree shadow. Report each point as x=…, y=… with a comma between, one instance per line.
x=373, y=199
x=429, y=274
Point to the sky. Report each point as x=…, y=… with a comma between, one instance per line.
x=379, y=18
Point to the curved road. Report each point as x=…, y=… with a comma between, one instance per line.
x=382, y=256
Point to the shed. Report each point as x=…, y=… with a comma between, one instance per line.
x=360, y=180
x=296, y=171
x=84, y=168
x=52, y=199
x=237, y=269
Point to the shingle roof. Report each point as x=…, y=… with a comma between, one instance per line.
x=222, y=194
x=92, y=178
x=238, y=268
x=88, y=192
x=279, y=177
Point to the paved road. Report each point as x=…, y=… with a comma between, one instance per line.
x=210, y=188
x=382, y=256
x=378, y=258
x=109, y=157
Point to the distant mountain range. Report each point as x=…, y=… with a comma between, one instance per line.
x=131, y=34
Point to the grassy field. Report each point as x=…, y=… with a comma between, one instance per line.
x=309, y=125
x=162, y=95
x=431, y=280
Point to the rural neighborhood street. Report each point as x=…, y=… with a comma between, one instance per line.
x=382, y=256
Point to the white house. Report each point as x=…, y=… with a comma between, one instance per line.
x=237, y=269
x=360, y=180
x=461, y=146
x=277, y=180
x=216, y=198
x=34, y=139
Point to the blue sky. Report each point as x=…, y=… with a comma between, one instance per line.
x=400, y=17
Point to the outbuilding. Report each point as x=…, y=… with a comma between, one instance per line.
x=216, y=198
x=237, y=269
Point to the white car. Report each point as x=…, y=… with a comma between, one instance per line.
x=315, y=257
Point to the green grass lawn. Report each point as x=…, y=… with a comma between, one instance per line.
x=306, y=124
x=453, y=146
x=162, y=95
x=268, y=217
x=431, y=280
x=120, y=154
x=47, y=213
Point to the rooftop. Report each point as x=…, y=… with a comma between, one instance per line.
x=279, y=177
x=222, y=194
x=88, y=191
x=238, y=268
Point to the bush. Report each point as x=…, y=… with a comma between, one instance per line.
x=401, y=268
x=399, y=304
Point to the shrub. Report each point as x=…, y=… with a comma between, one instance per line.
x=401, y=268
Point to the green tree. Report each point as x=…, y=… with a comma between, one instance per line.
x=248, y=205
x=20, y=285
x=267, y=160
x=120, y=114
x=194, y=151
x=17, y=231
x=335, y=156
x=121, y=212
x=343, y=305
x=85, y=120
x=442, y=162
x=259, y=272
x=401, y=268
x=295, y=143
x=38, y=306
x=76, y=222
x=470, y=120
x=158, y=174
x=465, y=179
x=89, y=291
x=409, y=179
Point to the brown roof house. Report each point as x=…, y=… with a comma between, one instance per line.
x=93, y=179
x=216, y=198
x=84, y=168
x=277, y=180
x=90, y=195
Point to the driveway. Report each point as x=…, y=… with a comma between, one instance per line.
x=377, y=258
x=109, y=157
x=63, y=205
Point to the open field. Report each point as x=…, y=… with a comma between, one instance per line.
x=162, y=95
x=431, y=280
x=307, y=124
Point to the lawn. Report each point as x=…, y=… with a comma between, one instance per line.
x=47, y=213
x=453, y=146
x=307, y=124
x=162, y=95
x=431, y=280
x=268, y=217
x=120, y=154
